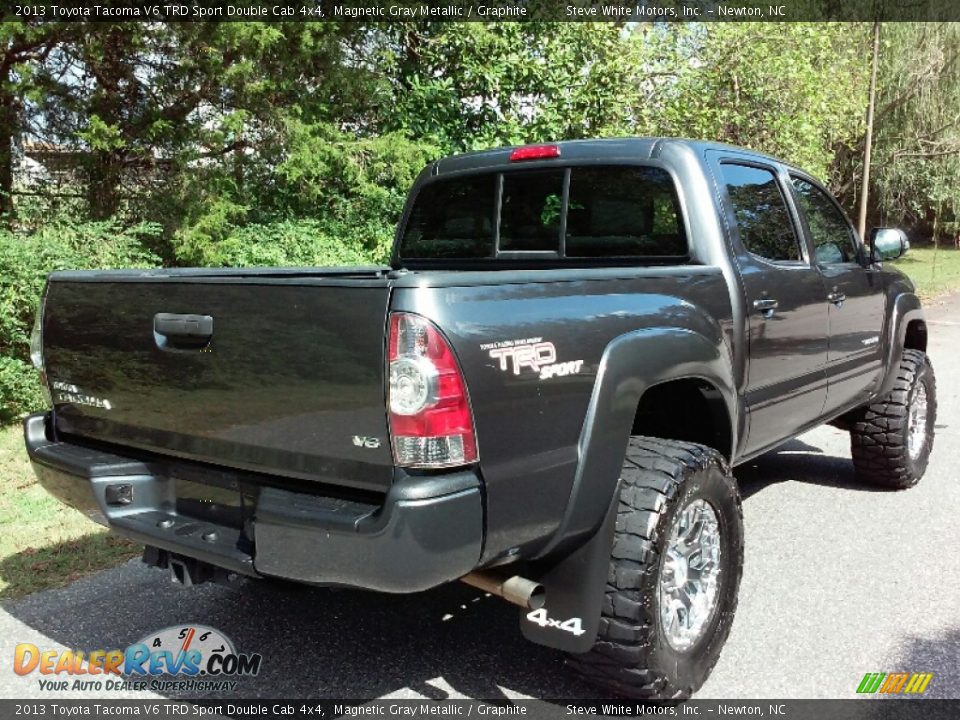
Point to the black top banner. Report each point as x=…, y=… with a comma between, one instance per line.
x=366, y=11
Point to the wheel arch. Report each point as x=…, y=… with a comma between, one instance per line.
x=915, y=336
x=908, y=331
x=691, y=409
x=652, y=363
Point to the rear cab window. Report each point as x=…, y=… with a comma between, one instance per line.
x=531, y=207
x=584, y=212
x=452, y=219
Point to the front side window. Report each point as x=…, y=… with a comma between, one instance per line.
x=763, y=220
x=831, y=233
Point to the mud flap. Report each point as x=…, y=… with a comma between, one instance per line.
x=575, y=588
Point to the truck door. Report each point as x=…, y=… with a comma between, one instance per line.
x=785, y=302
x=855, y=298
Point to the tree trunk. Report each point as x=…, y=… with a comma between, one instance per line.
x=868, y=147
x=936, y=229
x=8, y=124
x=103, y=184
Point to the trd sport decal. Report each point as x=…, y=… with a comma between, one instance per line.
x=534, y=354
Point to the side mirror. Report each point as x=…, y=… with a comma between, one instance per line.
x=887, y=244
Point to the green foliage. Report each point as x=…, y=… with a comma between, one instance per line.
x=324, y=188
x=20, y=45
x=25, y=261
x=794, y=90
x=917, y=155
x=215, y=217
x=101, y=136
x=20, y=389
x=298, y=243
x=189, y=94
x=475, y=85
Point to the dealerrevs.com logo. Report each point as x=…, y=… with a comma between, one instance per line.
x=180, y=657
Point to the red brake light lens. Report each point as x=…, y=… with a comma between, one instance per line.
x=535, y=152
x=431, y=425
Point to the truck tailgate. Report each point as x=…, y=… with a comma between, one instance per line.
x=289, y=382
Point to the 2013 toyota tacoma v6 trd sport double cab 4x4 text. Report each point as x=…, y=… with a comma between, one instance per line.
x=542, y=395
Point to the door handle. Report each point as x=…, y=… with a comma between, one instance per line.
x=837, y=298
x=182, y=332
x=766, y=306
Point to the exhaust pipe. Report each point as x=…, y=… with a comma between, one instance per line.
x=517, y=590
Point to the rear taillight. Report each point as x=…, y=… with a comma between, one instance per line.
x=36, y=347
x=431, y=425
x=36, y=340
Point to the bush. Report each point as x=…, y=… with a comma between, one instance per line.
x=298, y=243
x=324, y=198
x=25, y=261
x=20, y=389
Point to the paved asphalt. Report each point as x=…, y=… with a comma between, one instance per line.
x=840, y=580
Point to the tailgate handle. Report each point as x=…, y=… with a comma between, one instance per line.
x=182, y=331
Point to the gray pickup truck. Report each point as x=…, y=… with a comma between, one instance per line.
x=543, y=395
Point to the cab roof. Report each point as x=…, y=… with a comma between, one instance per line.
x=596, y=150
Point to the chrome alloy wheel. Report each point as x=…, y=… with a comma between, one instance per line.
x=688, y=580
x=917, y=422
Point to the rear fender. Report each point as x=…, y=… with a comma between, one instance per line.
x=573, y=566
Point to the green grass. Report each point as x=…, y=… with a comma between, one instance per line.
x=44, y=543
x=934, y=272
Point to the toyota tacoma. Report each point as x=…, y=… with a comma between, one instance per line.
x=543, y=394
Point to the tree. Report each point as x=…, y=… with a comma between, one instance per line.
x=152, y=99
x=918, y=126
x=475, y=85
x=794, y=90
x=23, y=48
x=791, y=89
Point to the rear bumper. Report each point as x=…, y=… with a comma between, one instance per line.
x=428, y=530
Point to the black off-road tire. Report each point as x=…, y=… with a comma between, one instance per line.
x=879, y=433
x=632, y=656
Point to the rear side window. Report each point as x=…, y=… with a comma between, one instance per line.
x=621, y=211
x=453, y=219
x=763, y=220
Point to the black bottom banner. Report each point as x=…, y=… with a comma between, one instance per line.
x=866, y=709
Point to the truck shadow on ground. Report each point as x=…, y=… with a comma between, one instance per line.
x=798, y=461
x=315, y=642
x=322, y=643
x=920, y=653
